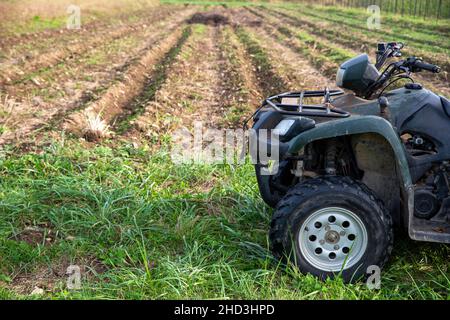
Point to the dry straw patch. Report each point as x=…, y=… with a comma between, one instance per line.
x=96, y=128
x=7, y=106
x=10, y=106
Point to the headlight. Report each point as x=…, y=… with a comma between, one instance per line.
x=340, y=77
x=283, y=126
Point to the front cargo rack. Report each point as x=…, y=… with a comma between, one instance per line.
x=291, y=103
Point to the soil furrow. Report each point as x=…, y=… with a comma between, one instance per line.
x=320, y=50
x=56, y=35
x=357, y=41
x=385, y=33
x=21, y=124
x=13, y=72
x=276, y=64
x=125, y=99
x=242, y=95
x=192, y=91
x=292, y=67
x=268, y=80
x=286, y=37
x=435, y=27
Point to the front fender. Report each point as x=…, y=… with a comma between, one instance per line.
x=357, y=125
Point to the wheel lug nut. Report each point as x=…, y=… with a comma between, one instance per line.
x=327, y=228
x=336, y=247
x=342, y=233
x=321, y=241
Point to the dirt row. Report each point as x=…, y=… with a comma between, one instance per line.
x=281, y=24
x=23, y=62
x=225, y=82
x=418, y=40
x=72, y=86
x=356, y=40
x=214, y=67
x=116, y=98
x=242, y=94
x=282, y=36
x=38, y=39
x=192, y=89
x=293, y=68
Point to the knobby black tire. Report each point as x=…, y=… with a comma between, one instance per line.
x=314, y=194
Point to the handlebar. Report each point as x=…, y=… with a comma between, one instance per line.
x=400, y=69
x=418, y=64
x=386, y=51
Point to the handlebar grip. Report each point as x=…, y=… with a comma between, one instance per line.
x=427, y=66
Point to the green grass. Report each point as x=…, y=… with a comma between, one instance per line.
x=388, y=31
x=427, y=25
x=38, y=23
x=169, y=231
x=162, y=230
x=317, y=36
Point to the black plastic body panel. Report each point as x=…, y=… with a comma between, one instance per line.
x=431, y=121
x=446, y=106
x=268, y=119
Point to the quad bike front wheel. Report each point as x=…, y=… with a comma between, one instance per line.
x=330, y=225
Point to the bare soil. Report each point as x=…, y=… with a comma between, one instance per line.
x=122, y=82
x=26, y=59
x=71, y=86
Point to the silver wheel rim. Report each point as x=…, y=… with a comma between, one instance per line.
x=332, y=239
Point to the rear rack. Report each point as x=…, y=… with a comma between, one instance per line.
x=325, y=109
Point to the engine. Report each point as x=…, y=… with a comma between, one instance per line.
x=432, y=190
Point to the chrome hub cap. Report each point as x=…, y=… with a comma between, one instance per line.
x=333, y=239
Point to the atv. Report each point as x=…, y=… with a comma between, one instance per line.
x=355, y=164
